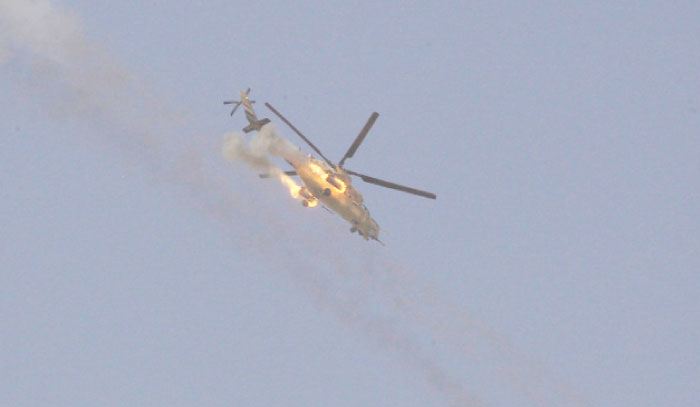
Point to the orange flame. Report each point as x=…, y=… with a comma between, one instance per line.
x=316, y=169
x=294, y=189
x=343, y=187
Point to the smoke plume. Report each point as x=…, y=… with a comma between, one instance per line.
x=263, y=144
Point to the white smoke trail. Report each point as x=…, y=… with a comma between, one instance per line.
x=449, y=324
x=95, y=88
x=53, y=45
x=267, y=142
x=81, y=80
x=235, y=148
x=470, y=338
x=264, y=143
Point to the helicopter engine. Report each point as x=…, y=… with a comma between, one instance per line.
x=335, y=181
x=309, y=200
x=306, y=194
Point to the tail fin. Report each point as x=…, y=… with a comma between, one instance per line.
x=255, y=123
x=248, y=107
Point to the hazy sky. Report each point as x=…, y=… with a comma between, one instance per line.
x=558, y=266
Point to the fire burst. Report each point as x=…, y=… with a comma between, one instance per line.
x=338, y=183
x=294, y=190
x=293, y=187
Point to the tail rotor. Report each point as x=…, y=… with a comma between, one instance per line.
x=237, y=103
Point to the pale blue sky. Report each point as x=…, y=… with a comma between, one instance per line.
x=558, y=266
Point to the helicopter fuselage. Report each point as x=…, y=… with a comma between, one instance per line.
x=333, y=188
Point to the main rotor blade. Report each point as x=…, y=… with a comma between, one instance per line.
x=392, y=185
x=360, y=137
x=235, y=108
x=269, y=106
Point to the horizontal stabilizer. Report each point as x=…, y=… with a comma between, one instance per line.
x=257, y=125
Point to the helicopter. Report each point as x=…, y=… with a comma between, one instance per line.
x=328, y=182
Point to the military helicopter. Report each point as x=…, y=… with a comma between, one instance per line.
x=328, y=182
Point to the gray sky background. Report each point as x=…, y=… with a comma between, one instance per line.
x=558, y=266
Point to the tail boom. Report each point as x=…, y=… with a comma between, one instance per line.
x=253, y=122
